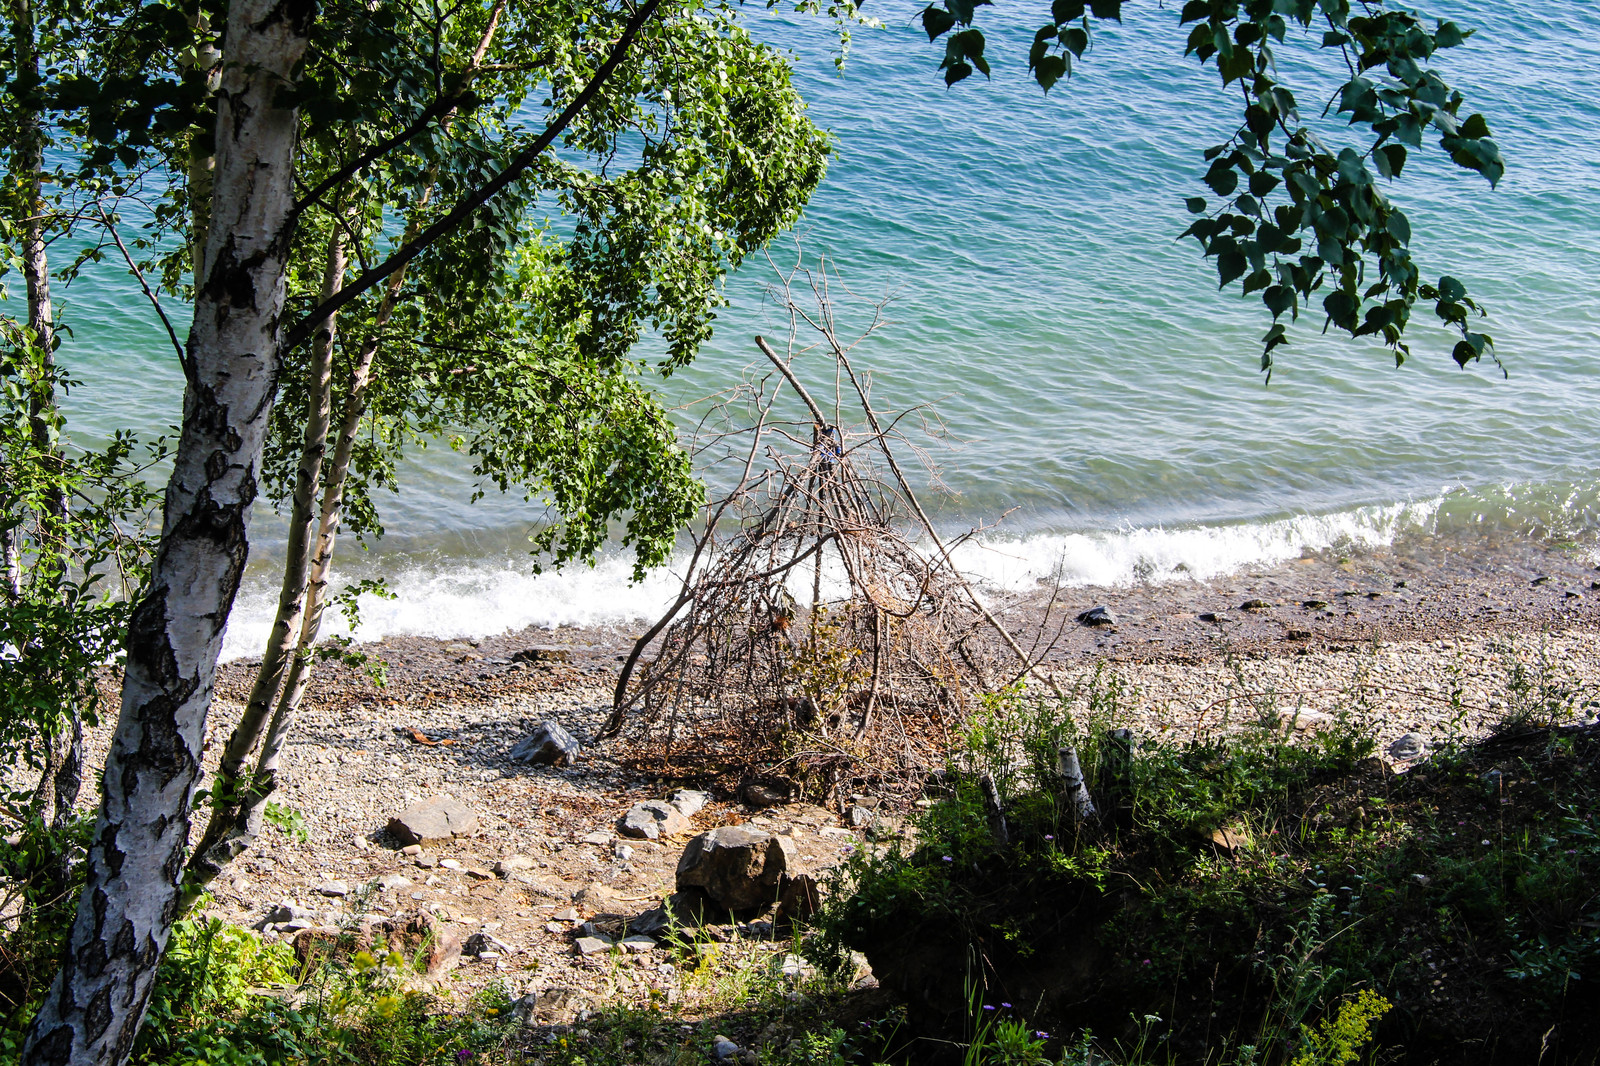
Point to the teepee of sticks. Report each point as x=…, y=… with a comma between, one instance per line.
x=821, y=625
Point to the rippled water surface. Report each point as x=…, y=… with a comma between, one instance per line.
x=1096, y=380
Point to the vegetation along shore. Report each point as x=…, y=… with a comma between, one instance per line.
x=841, y=801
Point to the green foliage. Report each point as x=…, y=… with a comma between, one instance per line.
x=220, y=999
x=1300, y=214
x=1302, y=887
x=1339, y=1040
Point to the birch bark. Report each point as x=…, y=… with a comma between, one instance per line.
x=136, y=857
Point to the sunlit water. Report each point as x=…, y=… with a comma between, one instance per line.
x=1094, y=379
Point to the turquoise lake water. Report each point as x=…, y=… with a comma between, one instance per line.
x=1097, y=381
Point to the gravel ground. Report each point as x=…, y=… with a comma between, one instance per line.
x=1434, y=654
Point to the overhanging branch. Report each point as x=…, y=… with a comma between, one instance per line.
x=302, y=330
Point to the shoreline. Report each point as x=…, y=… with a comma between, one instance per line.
x=1424, y=589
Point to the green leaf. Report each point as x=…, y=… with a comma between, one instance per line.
x=936, y=21
x=1195, y=204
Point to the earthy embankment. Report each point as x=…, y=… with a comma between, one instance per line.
x=1410, y=644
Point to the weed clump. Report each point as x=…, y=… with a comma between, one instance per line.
x=1253, y=900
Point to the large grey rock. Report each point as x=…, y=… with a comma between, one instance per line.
x=435, y=821
x=549, y=745
x=652, y=820
x=740, y=868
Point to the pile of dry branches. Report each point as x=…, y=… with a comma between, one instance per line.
x=822, y=632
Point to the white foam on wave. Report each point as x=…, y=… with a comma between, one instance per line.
x=497, y=595
x=1129, y=556
x=473, y=599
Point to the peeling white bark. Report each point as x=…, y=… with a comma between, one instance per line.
x=136, y=857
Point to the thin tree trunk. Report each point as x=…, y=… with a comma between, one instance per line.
x=95, y=1005
x=61, y=779
x=220, y=843
x=265, y=778
x=234, y=828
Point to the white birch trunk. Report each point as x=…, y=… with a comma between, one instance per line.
x=228, y=832
x=136, y=856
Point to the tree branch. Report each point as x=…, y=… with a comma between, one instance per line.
x=302, y=330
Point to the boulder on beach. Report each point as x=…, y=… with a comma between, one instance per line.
x=435, y=821
x=549, y=745
x=738, y=867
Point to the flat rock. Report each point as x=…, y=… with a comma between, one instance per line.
x=591, y=945
x=333, y=888
x=549, y=745
x=434, y=821
x=637, y=944
x=738, y=867
x=689, y=802
x=652, y=820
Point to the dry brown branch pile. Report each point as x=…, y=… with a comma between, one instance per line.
x=822, y=633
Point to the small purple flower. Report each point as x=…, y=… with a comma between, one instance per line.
x=462, y=1055
x=988, y=1006
x=1007, y=1006
x=1047, y=836
x=1146, y=962
x=948, y=859
x=1041, y=1034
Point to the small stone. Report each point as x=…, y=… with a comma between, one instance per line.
x=1214, y=618
x=597, y=838
x=622, y=852
x=652, y=820
x=451, y=864
x=391, y=882
x=554, y=927
x=1304, y=721
x=481, y=942
x=591, y=945
x=1097, y=616
x=411, y=849
x=434, y=821
x=689, y=802
x=568, y=915
x=478, y=872
x=333, y=888
x=488, y=956
x=1543, y=579
x=549, y=745
x=723, y=1049
x=1256, y=605
x=860, y=817
x=758, y=795
x=542, y=655
x=1407, y=747
x=638, y=944
x=512, y=864
x=1299, y=634
x=1314, y=605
